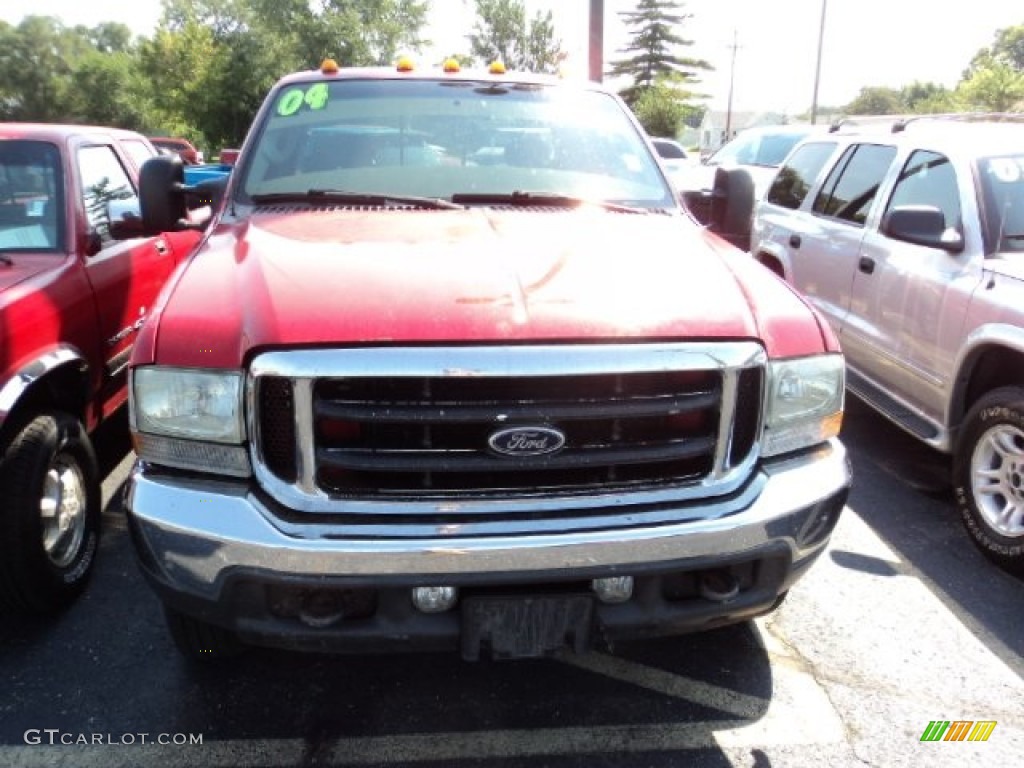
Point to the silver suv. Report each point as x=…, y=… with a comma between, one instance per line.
x=910, y=241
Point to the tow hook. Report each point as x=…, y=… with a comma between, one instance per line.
x=718, y=585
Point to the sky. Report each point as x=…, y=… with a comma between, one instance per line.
x=865, y=43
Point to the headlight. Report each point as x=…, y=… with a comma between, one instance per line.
x=805, y=403
x=189, y=419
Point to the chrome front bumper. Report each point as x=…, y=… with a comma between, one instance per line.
x=193, y=534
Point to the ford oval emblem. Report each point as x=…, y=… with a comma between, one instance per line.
x=526, y=441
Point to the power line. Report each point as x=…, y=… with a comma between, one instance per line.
x=732, y=79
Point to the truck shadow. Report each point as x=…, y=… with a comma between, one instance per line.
x=902, y=489
x=648, y=703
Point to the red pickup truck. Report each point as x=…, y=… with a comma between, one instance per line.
x=453, y=369
x=77, y=278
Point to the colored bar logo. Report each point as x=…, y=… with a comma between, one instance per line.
x=958, y=730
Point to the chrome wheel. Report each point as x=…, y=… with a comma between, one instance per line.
x=997, y=479
x=62, y=510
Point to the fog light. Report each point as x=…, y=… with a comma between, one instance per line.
x=434, y=599
x=617, y=589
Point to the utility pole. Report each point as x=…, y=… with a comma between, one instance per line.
x=732, y=80
x=817, y=68
x=596, y=51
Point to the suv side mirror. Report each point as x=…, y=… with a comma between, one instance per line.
x=732, y=206
x=922, y=225
x=162, y=194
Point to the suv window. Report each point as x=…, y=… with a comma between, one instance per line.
x=103, y=179
x=795, y=178
x=928, y=179
x=852, y=185
x=1002, y=185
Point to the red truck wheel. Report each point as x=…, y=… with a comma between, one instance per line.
x=988, y=475
x=50, y=514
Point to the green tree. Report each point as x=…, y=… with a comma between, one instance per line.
x=109, y=37
x=35, y=69
x=662, y=109
x=876, y=100
x=652, y=51
x=1007, y=49
x=109, y=90
x=501, y=32
x=994, y=88
x=177, y=63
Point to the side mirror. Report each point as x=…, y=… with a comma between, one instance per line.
x=732, y=206
x=922, y=225
x=125, y=218
x=698, y=203
x=162, y=194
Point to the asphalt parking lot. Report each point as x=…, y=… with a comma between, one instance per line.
x=901, y=623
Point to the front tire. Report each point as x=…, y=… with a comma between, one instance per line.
x=49, y=514
x=988, y=477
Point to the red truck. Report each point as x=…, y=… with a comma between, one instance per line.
x=77, y=278
x=452, y=368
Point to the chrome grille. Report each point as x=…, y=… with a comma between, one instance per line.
x=413, y=425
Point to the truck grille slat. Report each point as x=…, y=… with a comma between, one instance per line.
x=470, y=461
x=460, y=412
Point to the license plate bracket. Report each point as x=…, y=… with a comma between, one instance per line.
x=518, y=627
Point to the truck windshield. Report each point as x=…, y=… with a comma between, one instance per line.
x=30, y=196
x=439, y=138
x=1002, y=182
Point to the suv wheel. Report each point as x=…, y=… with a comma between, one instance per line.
x=50, y=514
x=988, y=476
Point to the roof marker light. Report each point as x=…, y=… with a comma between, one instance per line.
x=452, y=65
x=329, y=67
x=496, y=68
x=405, y=64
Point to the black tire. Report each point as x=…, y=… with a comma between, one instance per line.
x=49, y=514
x=988, y=477
x=199, y=641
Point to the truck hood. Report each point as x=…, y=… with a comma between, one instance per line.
x=289, y=276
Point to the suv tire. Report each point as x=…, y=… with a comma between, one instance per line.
x=988, y=476
x=50, y=530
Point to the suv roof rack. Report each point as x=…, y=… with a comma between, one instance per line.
x=899, y=123
x=962, y=117
x=865, y=121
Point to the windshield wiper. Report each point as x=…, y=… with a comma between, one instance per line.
x=355, y=198
x=540, y=199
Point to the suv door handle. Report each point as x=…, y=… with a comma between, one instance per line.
x=794, y=240
x=866, y=265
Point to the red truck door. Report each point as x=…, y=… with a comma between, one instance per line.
x=125, y=275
